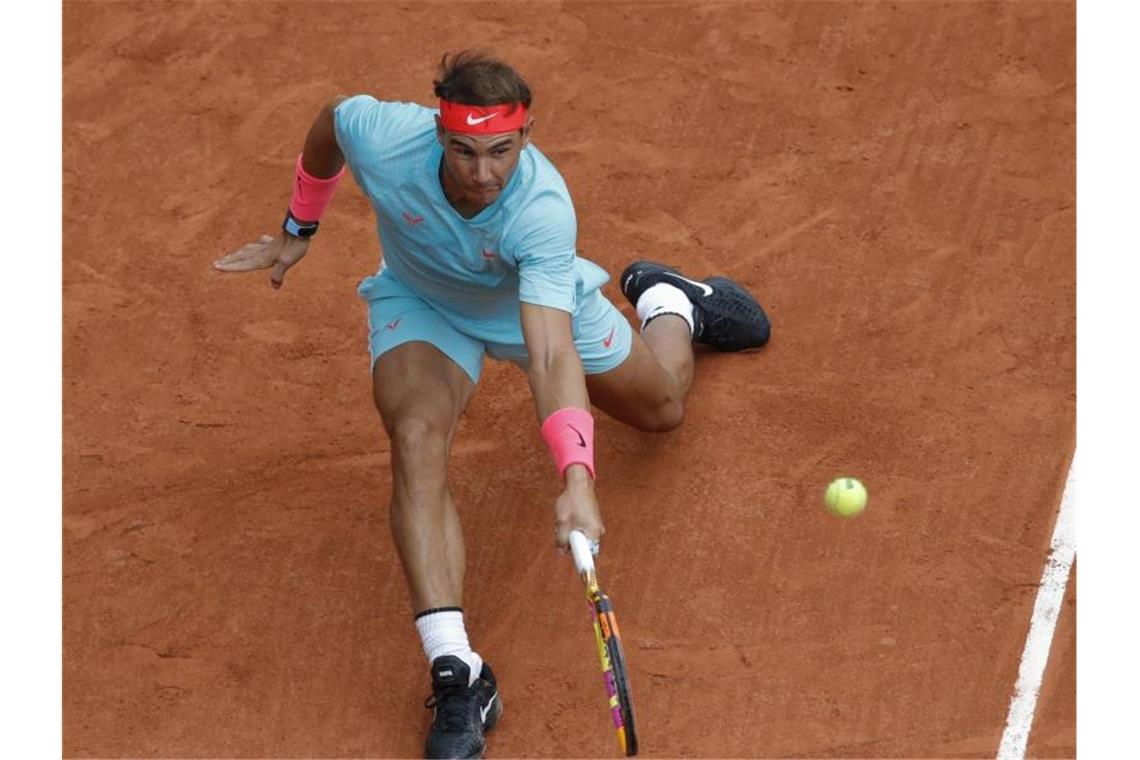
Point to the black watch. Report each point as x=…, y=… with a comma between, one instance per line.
x=296, y=228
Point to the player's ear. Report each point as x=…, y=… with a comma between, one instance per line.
x=530, y=121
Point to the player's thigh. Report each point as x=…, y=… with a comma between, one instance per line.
x=418, y=389
x=424, y=371
x=637, y=391
x=623, y=377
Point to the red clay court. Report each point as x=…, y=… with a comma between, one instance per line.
x=895, y=180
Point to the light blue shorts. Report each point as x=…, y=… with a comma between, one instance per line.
x=396, y=315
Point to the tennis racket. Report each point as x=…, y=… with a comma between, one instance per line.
x=614, y=672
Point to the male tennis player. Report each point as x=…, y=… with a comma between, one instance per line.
x=478, y=234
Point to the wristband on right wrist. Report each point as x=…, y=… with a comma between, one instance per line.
x=569, y=433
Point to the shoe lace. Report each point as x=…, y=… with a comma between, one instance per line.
x=451, y=705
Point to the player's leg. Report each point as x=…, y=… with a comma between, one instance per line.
x=424, y=374
x=420, y=394
x=648, y=388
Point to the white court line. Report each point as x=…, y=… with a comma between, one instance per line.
x=1046, y=610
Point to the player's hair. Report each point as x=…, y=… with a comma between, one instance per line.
x=474, y=78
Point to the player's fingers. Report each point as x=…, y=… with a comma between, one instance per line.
x=562, y=539
x=248, y=252
x=242, y=263
x=232, y=259
x=595, y=544
x=237, y=255
x=277, y=279
x=257, y=245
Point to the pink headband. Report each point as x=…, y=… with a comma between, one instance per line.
x=481, y=120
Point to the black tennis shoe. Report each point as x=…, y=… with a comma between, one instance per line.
x=725, y=316
x=462, y=713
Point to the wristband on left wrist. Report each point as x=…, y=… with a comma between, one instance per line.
x=312, y=195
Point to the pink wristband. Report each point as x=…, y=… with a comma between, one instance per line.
x=569, y=433
x=311, y=195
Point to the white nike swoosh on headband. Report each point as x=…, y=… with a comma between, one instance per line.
x=473, y=122
x=706, y=289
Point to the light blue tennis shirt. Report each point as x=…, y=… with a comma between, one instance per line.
x=472, y=271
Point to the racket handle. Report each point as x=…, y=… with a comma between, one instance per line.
x=580, y=548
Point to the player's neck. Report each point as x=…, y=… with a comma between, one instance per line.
x=454, y=195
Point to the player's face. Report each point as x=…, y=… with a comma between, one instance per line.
x=478, y=167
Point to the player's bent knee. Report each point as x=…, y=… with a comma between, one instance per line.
x=663, y=418
x=670, y=417
x=418, y=442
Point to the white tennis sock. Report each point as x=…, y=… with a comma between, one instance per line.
x=663, y=298
x=442, y=633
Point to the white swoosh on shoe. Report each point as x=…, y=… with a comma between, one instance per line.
x=487, y=709
x=706, y=289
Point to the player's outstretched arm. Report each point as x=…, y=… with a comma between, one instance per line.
x=563, y=405
x=320, y=166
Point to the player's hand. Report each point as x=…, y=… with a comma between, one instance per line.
x=577, y=509
x=280, y=253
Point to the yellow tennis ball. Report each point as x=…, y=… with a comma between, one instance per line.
x=845, y=497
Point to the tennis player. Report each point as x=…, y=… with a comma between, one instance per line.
x=478, y=233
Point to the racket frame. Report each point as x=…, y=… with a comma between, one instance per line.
x=615, y=672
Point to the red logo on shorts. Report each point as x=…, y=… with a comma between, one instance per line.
x=610, y=338
x=393, y=324
x=489, y=254
x=412, y=219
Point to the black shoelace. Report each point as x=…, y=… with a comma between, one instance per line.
x=452, y=705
